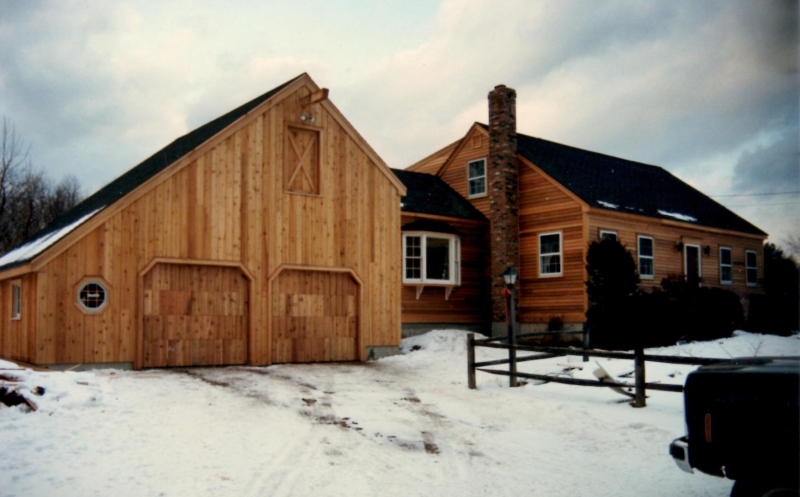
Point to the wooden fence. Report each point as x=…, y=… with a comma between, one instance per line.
x=544, y=352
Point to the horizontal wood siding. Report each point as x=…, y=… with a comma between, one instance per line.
x=434, y=162
x=546, y=208
x=475, y=146
x=229, y=204
x=468, y=302
x=668, y=260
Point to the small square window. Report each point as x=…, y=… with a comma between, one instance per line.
x=608, y=235
x=550, y=254
x=476, y=177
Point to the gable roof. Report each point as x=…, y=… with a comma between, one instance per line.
x=429, y=194
x=620, y=185
x=127, y=182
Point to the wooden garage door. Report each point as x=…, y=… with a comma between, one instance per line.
x=195, y=316
x=314, y=317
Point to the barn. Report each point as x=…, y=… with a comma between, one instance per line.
x=269, y=235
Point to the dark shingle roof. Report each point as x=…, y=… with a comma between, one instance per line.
x=144, y=171
x=621, y=185
x=429, y=194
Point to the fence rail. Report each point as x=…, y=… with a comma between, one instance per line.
x=546, y=352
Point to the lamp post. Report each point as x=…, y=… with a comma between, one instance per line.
x=510, y=277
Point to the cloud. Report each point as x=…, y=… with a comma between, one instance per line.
x=770, y=168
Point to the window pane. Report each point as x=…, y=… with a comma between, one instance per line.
x=607, y=235
x=725, y=256
x=751, y=259
x=645, y=266
x=646, y=247
x=549, y=244
x=752, y=276
x=726, y=273
x=551, y=264
x=437, y=253
x=477, y=186
x=476, y=169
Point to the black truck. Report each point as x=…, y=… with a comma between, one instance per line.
x=743, y=423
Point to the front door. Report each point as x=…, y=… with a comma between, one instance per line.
x=692, y=262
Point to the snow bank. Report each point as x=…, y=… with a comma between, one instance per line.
x=678, y=216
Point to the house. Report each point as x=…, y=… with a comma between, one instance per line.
x=543, y=204
x=268, y=235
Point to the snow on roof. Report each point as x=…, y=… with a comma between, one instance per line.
x=678, y=216
x=30, y=250
x=608, y=204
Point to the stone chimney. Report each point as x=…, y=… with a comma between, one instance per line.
x=503, y=196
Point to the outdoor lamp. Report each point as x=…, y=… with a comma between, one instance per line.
x=510, y=275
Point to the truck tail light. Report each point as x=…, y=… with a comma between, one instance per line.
x=708, y=427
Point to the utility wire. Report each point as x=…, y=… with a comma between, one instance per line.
x=754, y=194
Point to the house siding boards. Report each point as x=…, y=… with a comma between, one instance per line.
x=546, y=208
x=434, y=162
x=669, y=261
x=18, y=337
x=468, y=302
x=227, y=206
x=475, y=145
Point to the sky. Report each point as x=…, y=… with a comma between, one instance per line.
x=706, y=89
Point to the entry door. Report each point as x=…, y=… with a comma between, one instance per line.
x=693, y=270
x=194, y=315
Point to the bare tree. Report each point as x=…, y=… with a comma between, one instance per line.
x=29, y=201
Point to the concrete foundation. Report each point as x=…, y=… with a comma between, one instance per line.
x=414, y=329
x=501, y=329
x=125, y=366
x=375, y=353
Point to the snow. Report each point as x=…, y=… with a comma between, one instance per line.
x=678, y=216
x=403, y=425
x=608, y=205
x=35, y=247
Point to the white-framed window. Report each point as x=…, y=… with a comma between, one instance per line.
x=431, y=258
x=476, y=178
x=92, y=295
x=646, y=257
x=550, y=254
x=608, y=235
x=725, y=266
x=751, y=266
x=16, y=300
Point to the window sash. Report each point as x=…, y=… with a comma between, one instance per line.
x=725, y=265
x=646, y=257
x=550, y=254
x=476, y=178
x=608, y=234
x=417, y=252
x=751, y=265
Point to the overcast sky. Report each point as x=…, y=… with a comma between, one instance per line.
x=707, y=89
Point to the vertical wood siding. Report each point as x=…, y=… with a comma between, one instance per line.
x=230, y=205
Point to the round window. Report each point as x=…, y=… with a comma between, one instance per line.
x=92, y=296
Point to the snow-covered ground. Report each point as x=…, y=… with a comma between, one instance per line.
x=405, y=425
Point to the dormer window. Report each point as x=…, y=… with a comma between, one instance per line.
x=476, y=178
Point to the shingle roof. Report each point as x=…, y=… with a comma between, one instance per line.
x=429, y=194
x=620, y=185
x=135, y=177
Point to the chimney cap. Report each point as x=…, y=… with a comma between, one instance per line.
x=499, y=86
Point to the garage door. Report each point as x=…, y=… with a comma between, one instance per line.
x=314, y=317
x=194, y=316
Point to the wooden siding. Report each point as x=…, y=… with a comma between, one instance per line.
x=474, y=146
x=432, y=163
x=17, y=337
x=194, y=315
x=468, y=302
x=546, y=208
x=669, y=261
x=229, y=204
x=314, y=317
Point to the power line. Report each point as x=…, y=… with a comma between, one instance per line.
x=762, y=205
x=754, y=194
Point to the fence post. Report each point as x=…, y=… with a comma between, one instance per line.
x=471, y=360
x=638, y=361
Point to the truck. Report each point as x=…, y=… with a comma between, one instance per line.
x=743, y=423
